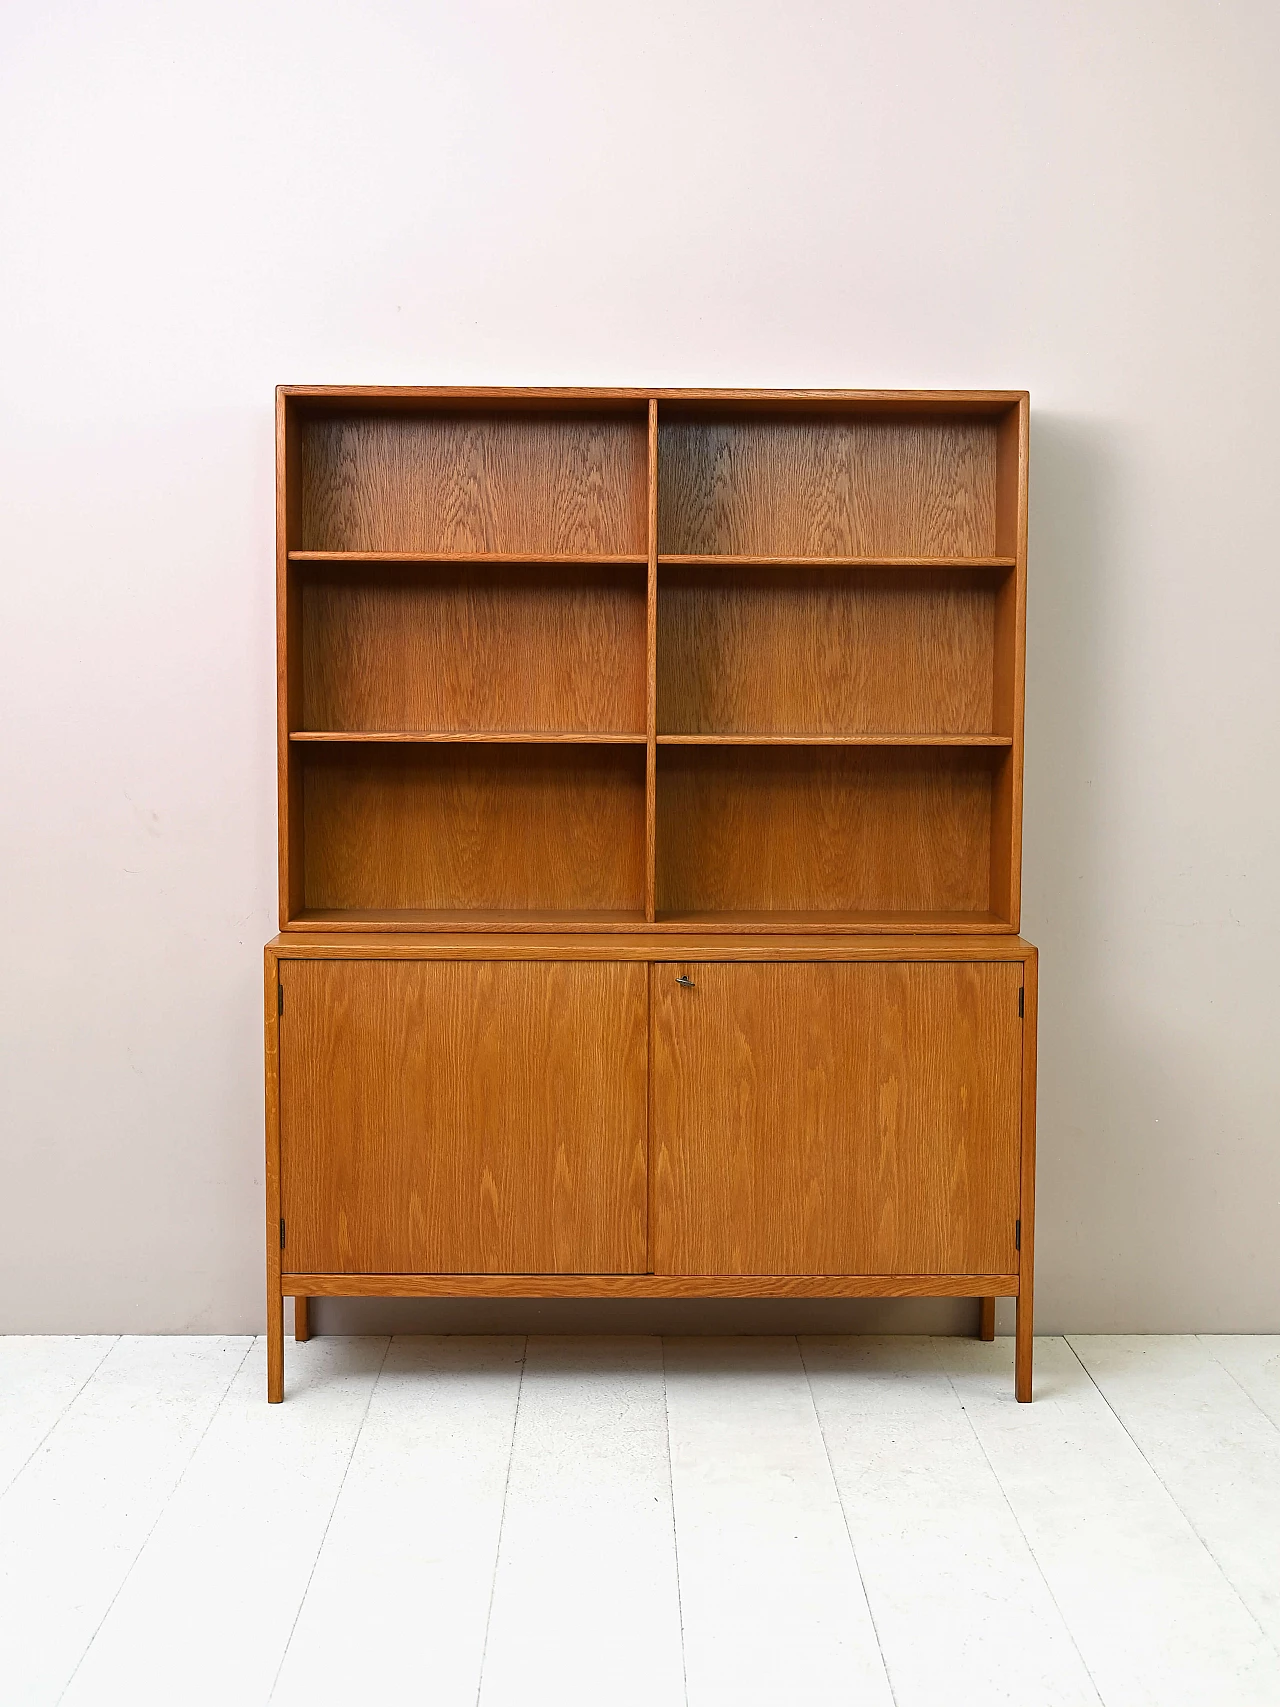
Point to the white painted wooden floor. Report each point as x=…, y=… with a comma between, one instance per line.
x=608, y=1522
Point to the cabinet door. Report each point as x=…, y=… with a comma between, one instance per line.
x=443, y=1117
x=836, y=1119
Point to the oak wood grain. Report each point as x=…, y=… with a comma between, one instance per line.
x=961, y=567
x=821, y=828
x=835, y=1119
x=1012, y=451
x=463, y=559
x=488, y=649
x=332, y=399
x=837, y=920
x=809, y=739
x=643, y=942
x=488, y=826
x=574, y=679
x=651, y=678
x=625, y=921
x=472, y=482
x=445, y=1116
x=271, y=1177
x=653, y=1285
x=826, y=485
x=470, y=737
x=1024, y=1324
x=806, y=651
x=288, y=661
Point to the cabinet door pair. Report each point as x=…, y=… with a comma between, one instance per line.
x=577, y=1117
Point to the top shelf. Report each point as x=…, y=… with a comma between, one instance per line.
x=667, y=560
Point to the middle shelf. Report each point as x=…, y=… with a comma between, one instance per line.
x=589, y=738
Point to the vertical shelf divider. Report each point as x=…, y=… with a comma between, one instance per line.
x=651, y=684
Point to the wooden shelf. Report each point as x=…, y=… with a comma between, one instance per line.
x=534, y=560
x=592, y=738
x=467, y=919
x=719, y=560
x=748, y=923
x=742, y=740
x=869, y=920
x=467, y=736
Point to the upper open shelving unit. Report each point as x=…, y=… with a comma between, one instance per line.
x=608, y=660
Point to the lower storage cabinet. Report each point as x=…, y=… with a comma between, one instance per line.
x=441, y=1123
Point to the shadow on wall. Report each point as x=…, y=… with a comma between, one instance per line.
x=1135, y=1117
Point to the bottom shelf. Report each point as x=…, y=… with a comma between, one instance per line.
x=773, y=922
x=869, y=920
x=465, y=919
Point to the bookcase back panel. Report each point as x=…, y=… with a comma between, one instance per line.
x=825, y=651
x=824, y=829
x=467, y=481
x=488, y=827
x=521, y=649
x=831, y=485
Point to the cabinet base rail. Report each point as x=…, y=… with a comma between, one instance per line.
x=650, y=1285
x=984, y=1287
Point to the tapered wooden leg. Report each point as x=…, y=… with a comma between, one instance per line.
x=986, y=1318
x=1023, y=1344
x=301, y=1320
x=275, y=1345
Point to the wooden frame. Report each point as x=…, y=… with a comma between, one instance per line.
x=652, y=948
x=572, y=505
x=621, y=675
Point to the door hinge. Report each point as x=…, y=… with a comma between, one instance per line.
x=282, y=1232
x=1017, y=1235
x=1021, y=998
x=280, y=999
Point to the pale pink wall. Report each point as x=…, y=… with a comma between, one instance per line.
x=1074, y=196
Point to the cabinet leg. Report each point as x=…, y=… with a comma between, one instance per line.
x=1023, y=1344
x=301, y=1320
x=986, y=1318
x=275, y=1345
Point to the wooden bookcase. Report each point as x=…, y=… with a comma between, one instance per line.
x=587, y=678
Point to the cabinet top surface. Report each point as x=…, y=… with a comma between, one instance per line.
x=510, y=945
x=995, y=401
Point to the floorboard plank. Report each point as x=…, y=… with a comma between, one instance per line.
x=773, y=1604
x=40, y=1375
x=1156, y=1621
x=938, y=1546
x=397, y=1604
x=207, y=1611
x=1211, y=1445
x=1253, y=1360
x=75, y=1519
x=585, y=1604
